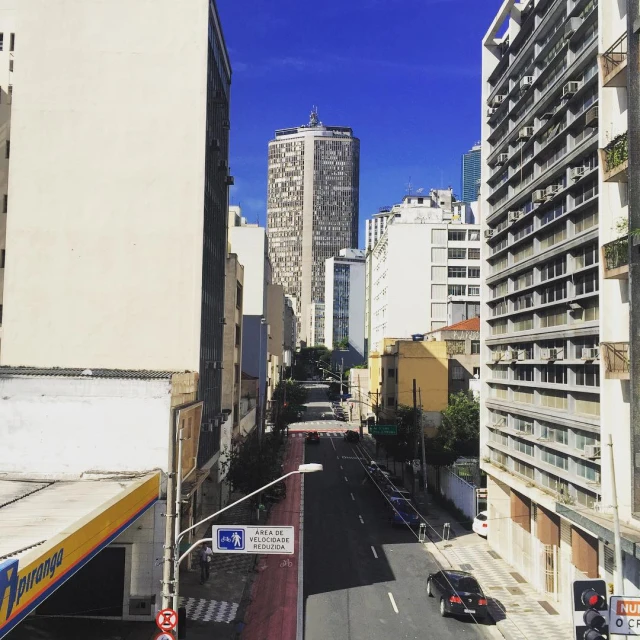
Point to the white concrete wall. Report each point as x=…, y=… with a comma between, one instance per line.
x=108, y=120
x=65, y=427
x=356, y=306
x=250, y=244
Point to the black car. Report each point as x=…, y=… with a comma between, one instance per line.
x=352, y=436
x=459, y=594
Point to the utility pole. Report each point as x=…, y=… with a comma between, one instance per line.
x=618, y=573
x=169, y=540
x=424, y=455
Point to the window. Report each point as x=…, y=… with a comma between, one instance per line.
x=500, y=309
x=474, y=254
x=555, y=237
x=474, y=235
x=2, y=258
x=523, y=323
x=476, y=372
x=475, y=347
x=7, y=148
x=10, y=65
x=553, y=318
x=474, y=272
x=500, y=372
x=586, y=257
x=584, y=439
x=588, y=283
x=553, y=269
x=392, y=373
x=1, y=41
x=554, y=433
x=391, y=401
x=474, y=291
x=554, y=483
x=587, y=221
x=457, y=372
x=5, y=203
x=524, y=372
x=457, y=289
x=587, y=405
x=522, y=394
x=455, y=347
x=457, y=254
x=525, y=301
x=501, y=289
x=523, y=425
x=500, y=327
x=523, y=281
x=554, y=292
x=588, y=375
x=556, y=459
x=587, y=471
x=523, y=253
x=523, y=447
x=457, y=272
x=12, y=42
x=502, y=393
x=457, y=236
x=553, y=399
x=238, y=335
x=500, y=438
x=238, y=295
x=523, y=469
x=553, y=374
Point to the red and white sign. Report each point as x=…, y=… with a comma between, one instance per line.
x=167, y=619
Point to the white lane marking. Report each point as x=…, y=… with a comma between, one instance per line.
x=332, y=444
x=353, y=497
x=361, y=520
x=346, y=479
x=393, y=602
x=342, y=467
x=375, y=555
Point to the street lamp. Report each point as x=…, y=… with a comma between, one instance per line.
x=310, y=467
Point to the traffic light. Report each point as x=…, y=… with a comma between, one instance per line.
x=590, y=610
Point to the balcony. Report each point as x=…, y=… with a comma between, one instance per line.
x=616, y=360
x=615, y=159
x=615, y=259
x=613, y=63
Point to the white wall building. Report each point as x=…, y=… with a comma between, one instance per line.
x=424, y=271
x=344, y=289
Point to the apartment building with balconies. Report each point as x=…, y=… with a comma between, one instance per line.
x=555, y=253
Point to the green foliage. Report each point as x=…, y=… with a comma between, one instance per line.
x=288, y=400
x=460, y=430
x=342, y=345
x=306, y=361
x=404, y=445
x=251, y=466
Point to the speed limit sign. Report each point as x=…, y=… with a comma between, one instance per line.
x=167, y=619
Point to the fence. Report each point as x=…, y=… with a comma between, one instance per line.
x=463, y=494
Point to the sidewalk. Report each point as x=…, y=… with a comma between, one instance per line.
x=272, y=613
x=519, y=611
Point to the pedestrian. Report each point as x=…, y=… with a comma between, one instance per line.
x=204, y=557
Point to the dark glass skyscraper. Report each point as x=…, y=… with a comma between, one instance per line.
x=471, y=174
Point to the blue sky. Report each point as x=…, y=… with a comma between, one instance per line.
x=404, y=74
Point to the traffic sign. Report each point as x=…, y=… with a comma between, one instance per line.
x=166, y=619
x=383, y=430
x=624, y=615
x=163, y=635
x=262, y=540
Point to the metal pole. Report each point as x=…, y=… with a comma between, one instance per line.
x=176, y=534
x=424, y=455
x=169, y=540
x=618, y=581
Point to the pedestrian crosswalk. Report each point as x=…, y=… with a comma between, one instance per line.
x=322, y=434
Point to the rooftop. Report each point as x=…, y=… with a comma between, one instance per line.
x=472, y=324
x=61, y=372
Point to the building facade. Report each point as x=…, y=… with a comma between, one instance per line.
x=424, y=270
x=471, y=174
x=555, y=372
x=312, y=208
x=375, y=226
x=344, y=288
x=316, y=324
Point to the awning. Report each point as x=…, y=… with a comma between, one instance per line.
x=50, y=530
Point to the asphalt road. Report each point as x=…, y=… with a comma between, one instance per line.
x=363, y=578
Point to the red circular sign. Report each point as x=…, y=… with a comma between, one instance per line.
x=167, y=619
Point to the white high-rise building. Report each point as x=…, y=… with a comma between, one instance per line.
x=344, y=288
x=312, y=208
x=375, y=226
x=424, y=271
x=556, y=380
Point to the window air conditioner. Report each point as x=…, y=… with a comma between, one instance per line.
x=589, y=353
x=526, y=82
x=570, y=88
x=510, y=355
x=539, y=195
x=525, y=133
x=522, y=354
x=573, y=24
x=592, y=450
x=502, y=158
x=577, y=172
x=491, y=111
x=591, y=117
x=554, y=354
x=498, y=100
x=551, y=190
x=496, y=356
x=488, y=233
x=513, y=216
x=545, y=354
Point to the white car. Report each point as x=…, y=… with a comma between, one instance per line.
x=481, y=524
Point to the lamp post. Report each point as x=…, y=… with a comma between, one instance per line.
x=178, y=558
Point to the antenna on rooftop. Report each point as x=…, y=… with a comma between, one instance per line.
x=409, y=187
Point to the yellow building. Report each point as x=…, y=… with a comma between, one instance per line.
x=392, y=373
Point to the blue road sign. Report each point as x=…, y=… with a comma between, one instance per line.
x=231, y=539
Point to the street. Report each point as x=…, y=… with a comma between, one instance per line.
x=363, y=578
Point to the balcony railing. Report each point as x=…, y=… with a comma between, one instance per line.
x=615, y=258
x=614, y=61
x=615, y=159
x=616, y=359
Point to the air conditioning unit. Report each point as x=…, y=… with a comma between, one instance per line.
x=513, y=216
x=526, y=82
x=510, y=355
x=590, y=353
x=496, y=356
x=525, y=133
x=555, y=354
x=498, y=100
x=545, y=354
x=572, y=25
x=591, y=117
x=488, y=233
x=577, y=172
x=501, y=159
x=551, y=190
x=592, y=450
x=570, y=88
x=491, y=111
x=522, y=354
x=539, y=195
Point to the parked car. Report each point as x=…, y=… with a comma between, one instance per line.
x=397, y=492
x=313, y=437
x=403, y=512
x=459, y=594
x=481, y=524
x=351, y=436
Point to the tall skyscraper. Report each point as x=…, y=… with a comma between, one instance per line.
x=471, y=174
x=312, y=208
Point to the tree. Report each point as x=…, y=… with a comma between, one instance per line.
x=288, y=398
x=342, y=345
x=460, y=430
x=251, y=466
x=306, y=361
